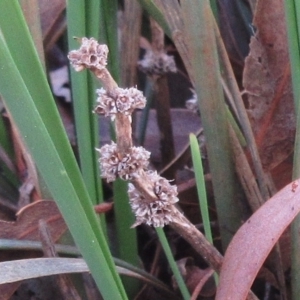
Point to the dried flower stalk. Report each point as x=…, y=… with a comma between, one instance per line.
x=152, y=197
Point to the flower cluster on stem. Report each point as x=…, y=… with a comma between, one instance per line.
x=152, y=197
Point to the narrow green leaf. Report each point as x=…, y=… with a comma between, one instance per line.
x=83, y=95
x=200, y=39
x=201, y=190
x=43, y=133
x=164, y=242
x=292, y=13
x=198, y=169
x=38, y=141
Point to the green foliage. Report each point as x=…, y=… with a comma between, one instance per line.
x=292, y=10
x=29, y=100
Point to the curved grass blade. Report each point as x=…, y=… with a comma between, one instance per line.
x=80, y=95
x=53, y=171
x=164, y=242
x=18, y=270
x=198, y=169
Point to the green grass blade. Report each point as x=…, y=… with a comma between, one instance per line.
x=42, y=130
x=201, y=190
x=164, y=242
x=292, y=12
x=38, y=141
x=84, y=94
x=198, y=169
x=38, y=88
x=205, y=70
x=93, y=30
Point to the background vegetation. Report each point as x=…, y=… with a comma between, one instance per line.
x=236, y=173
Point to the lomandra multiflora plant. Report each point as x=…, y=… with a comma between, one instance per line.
x=152, y=197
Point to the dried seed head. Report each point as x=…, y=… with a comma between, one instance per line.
x=157, y=64
x=192, y=104
x=157, y=213
x=90, y=55
x=126, y=167
x=120, y=100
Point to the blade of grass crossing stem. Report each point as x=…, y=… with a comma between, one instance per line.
x=292, y=13
x=82, y=103
x=93, y=30
x=52, y=168
x=198, y=169
x=201, y=190
x=201, y=42
x=37, y=87
x=76, y=29
x=164, y=242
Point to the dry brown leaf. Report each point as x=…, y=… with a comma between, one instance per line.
x=267, y=82
x=254, y=240
x=198, y=281
x=26, y=226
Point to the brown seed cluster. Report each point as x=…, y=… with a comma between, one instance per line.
x=157, y=213
x=120, y=100
x=157, y=63
x=127, y=167
x=153, y=202
x=90, y=55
